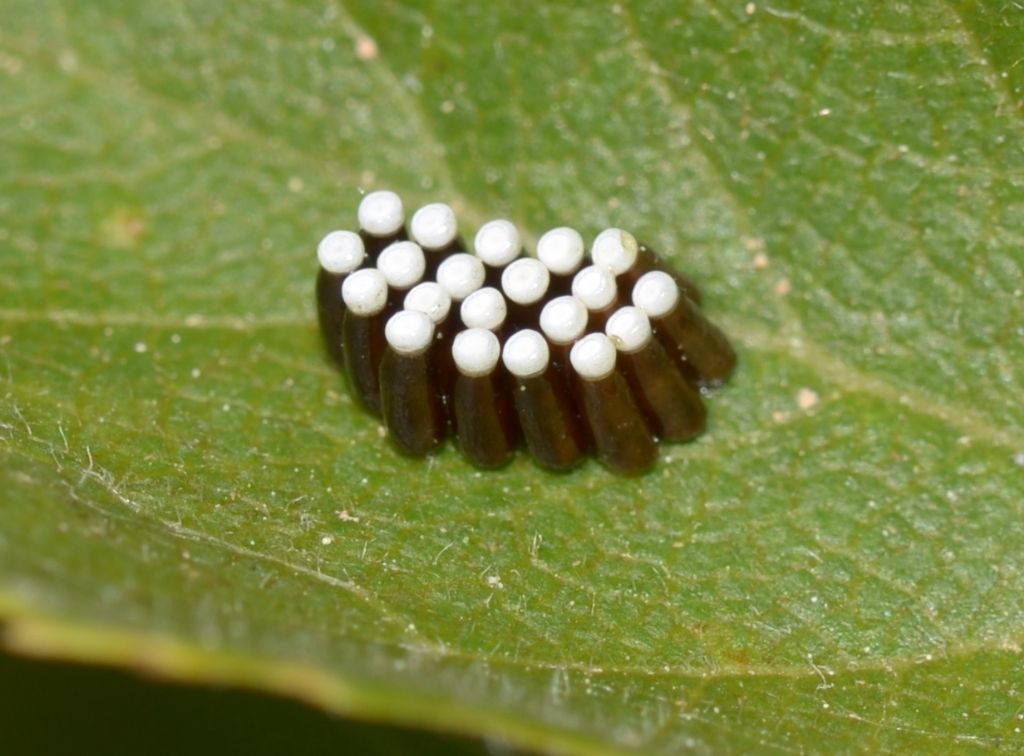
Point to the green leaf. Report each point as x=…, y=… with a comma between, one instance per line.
x=188, y=487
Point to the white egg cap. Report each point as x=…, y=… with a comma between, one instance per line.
x=430, y=299
x=629, y=329
x=381, y=213
x=595, y=287
x=593, y=356
x=460, y=275
x=563, y=319
x=484, y=308
x=402, y=263
x=476, y=352
x=656, y=293
x=409, y=332
x=434, y=226
x=365, y=292
x=526, y=354
x=615, y=249
x=561, y=250
x=340, y=252
x=497, y=243
x=525, y=281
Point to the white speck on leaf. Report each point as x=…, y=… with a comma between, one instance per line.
x=807, y=398
x=366, y=48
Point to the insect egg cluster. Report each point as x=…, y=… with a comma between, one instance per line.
x=566, y=353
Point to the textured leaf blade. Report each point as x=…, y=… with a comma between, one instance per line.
x=187, y=484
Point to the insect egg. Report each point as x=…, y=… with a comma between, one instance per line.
x=476, y=352
x=563, y=319
x=595, y=287
x=497, y=244
x=485, y=417
x=430, y=299
x=410, y=401
x=616, y=250
x=547, y=417
x=381, y=213
x=365, y=293
x=381, y=221
x=484, y=308
x=621, y=437
x=689, y=337
x=339, y=253
x=525, y=282
x=627, y=259
x=403, y=265
x=494, y=347
x=526, y=354
x=593, y=357
x=409, y=332
x=460, y=275
x=629, y=329
x=435, y=228
x=672, y=406
x=561, y=251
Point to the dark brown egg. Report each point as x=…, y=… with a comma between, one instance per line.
x=671, y=405
x=485, y=416
x=550, y=424
x=339, y=253
x=622, y=440
x=366, y=294
x=410, y=401
x=689, y=337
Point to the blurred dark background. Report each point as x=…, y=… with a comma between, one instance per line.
x=51, y=707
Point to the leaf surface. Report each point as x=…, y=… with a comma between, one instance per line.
x=187, y=485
